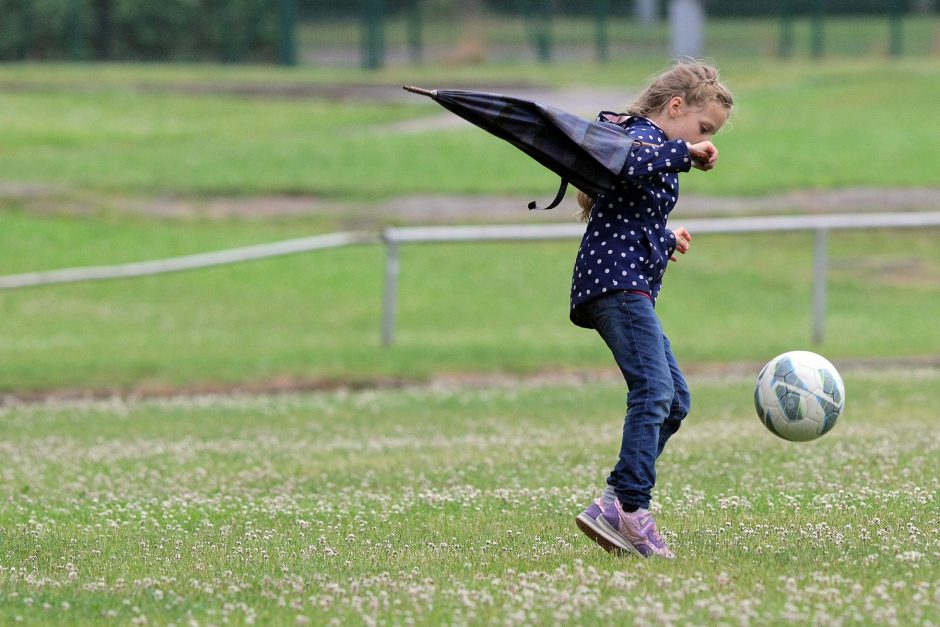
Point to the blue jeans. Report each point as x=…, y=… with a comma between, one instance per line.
x=658, y=398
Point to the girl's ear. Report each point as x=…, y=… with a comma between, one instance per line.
x=674, y=107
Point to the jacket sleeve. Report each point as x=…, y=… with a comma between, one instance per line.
x=647, y=159
x=671, y=243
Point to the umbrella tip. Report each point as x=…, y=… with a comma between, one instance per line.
x=420, y=90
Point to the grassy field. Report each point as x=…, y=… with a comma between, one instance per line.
x=441, y=504
x=317, y=317
x=91, y=137
x=455, y=506
x=150, y=131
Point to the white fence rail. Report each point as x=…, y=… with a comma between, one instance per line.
x=820, y=225
x=394, y=238
x=188, y=262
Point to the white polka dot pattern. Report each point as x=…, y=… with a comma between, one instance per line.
x=626, y=245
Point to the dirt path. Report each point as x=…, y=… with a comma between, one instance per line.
x=449, y=209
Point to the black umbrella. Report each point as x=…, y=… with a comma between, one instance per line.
x=588, y=154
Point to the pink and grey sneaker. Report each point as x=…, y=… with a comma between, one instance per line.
x=634, y=531
x=588, y=521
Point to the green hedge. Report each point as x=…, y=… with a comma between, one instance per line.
x=148, y=30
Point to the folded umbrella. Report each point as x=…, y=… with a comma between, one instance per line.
x=588, y=154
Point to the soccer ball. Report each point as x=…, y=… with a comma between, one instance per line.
x=799, y=396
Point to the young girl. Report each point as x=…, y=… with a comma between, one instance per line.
x=617, y=277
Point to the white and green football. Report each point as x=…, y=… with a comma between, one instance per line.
x=799, y=396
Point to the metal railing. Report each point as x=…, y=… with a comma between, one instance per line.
x=394, y=238
x=820, y=225
x=187, y=262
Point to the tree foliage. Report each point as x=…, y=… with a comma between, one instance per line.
x=219, y=30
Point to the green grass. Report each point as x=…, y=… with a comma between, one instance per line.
x=488, y=307
x=442, y=505
x=797, y=126
x=457, y=506
x=482, y=307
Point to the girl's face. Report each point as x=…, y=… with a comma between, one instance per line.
x=693, y=124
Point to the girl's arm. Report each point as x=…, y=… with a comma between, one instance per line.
x=647, y=159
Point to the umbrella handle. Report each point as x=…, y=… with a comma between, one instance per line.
x=431, y=93
x=561, y=194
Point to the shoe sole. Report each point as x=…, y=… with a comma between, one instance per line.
x=592, y=529
x=622, y=545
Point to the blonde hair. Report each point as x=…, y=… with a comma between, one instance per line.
x=696, y=82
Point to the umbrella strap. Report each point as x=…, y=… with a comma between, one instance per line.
x=561, y=194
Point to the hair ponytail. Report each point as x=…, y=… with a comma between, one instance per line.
x=585, y=201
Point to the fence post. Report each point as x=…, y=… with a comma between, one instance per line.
x=646, y=12
x=74, y=31
x=288, y=24
x=103, y=29
x=687, y=27
x=817, y=41
x=895, y=31
x=390, y=296
x=820, y=271
x=373, y=36
x=786, y=29
x=229, y=48
x=601, y=9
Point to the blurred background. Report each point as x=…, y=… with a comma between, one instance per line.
x=377, y=33
x=134, y=131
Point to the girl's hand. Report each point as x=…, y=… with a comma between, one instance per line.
x=704, y=155
x=683, y=241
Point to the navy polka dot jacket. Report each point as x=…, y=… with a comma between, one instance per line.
x=626, y=244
